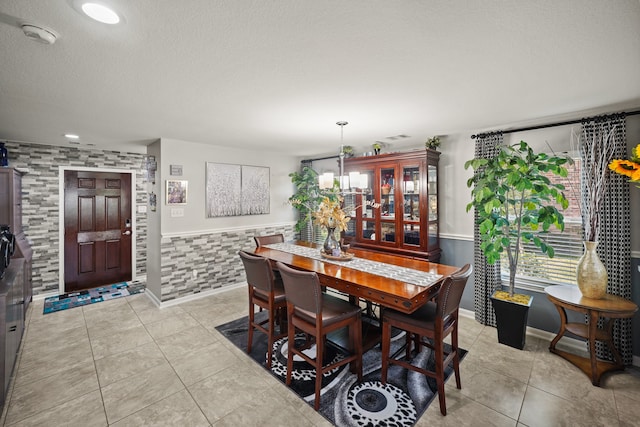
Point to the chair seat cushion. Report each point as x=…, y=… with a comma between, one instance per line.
x=278, y=293
x=333, y=310
x=423, y=318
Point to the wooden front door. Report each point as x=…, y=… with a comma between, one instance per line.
x=97, y=229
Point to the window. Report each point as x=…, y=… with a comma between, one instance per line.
x=536, y=269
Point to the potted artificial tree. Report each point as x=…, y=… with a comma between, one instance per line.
x=516, y=202
x=308, y=197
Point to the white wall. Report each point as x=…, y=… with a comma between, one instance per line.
x=154, y=266
x=193, y=157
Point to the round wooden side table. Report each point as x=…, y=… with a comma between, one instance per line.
x=610, y=307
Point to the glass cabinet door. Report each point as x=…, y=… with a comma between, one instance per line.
x=387, y=194
x=388, y=206
x=411, y=205
x=368, y=201
x=432, y=206
x=433, y=193
x=362, y=206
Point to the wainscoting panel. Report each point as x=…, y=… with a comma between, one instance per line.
x=212, y=256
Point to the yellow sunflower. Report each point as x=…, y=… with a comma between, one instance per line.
x=628, y=168
x=636, y=154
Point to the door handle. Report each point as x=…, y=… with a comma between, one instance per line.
x=126, y=233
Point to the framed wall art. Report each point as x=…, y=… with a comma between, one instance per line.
x=234, y=190
x=176, y=192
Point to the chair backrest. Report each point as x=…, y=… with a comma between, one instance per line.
x=301, y=288
x=267, y=240
x=450, y=292
x=258, y=271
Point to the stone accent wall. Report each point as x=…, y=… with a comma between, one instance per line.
x=40, y=208
x=213, y=255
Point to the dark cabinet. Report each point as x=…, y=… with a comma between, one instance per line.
x=11, y=320
x=11, y=214
x=394, y=203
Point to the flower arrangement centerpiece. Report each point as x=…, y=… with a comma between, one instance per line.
x=331, y=216
x=432, y=143
x=629, y=168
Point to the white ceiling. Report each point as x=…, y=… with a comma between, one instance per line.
x=278, y=74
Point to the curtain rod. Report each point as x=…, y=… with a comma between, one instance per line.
x=550, y=125
x=320, y=158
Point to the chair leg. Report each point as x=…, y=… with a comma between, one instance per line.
x=355, y=335
x=320, y=341
x=386, y=345
x=439, y=356
x=291, y=343
x=456, y=356
x=270, y=336
x=407, y=349
x=282, y=315
x=251, y=322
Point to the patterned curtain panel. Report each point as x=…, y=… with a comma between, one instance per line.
x=614, y=241
x=486, y=276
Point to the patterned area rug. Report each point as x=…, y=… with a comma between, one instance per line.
x=91, y=296
x=345, y=401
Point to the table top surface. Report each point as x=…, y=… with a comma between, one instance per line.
x=385, y=285
x=571, y=295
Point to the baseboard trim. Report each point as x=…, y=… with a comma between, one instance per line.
x=573, y=345
x=39, y=297
x=193, y=297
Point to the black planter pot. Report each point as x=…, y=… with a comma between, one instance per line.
x=511, y=321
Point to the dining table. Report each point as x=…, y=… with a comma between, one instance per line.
x=387, y=280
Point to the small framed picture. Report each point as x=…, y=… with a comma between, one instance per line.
x=176, y=192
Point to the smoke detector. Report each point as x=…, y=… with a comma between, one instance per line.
x=39, y=34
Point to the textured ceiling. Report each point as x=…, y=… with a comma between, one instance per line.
x=278, y=74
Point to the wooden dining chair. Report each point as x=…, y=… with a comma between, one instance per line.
x=317, y=314
x=434, y=320
x=267, y=240
x=266, y=292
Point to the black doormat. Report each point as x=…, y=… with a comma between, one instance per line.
x=345, y=401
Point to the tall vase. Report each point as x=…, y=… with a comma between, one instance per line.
x=591, y=273
x=331, y=245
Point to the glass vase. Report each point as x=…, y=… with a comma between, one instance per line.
x=331, y=245
x=591, y=273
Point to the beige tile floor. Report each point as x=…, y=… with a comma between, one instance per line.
x=127, y=363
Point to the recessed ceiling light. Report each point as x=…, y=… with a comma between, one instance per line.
x=71, y=136
x=100, y=13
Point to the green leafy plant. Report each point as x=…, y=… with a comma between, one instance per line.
x=516, y=202
x=308, y=195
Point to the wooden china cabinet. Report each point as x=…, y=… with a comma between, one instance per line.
x=393, y=203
